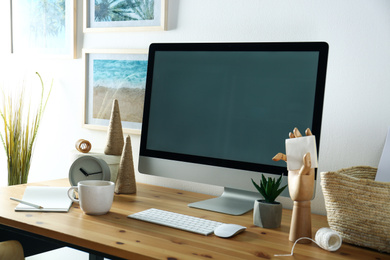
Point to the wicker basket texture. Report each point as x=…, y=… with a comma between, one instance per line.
x=358, y=207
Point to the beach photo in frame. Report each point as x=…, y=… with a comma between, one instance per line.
x=43, y=28
x=114, y=74
x=124, y=15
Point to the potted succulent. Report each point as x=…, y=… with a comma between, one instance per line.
x=267, y=213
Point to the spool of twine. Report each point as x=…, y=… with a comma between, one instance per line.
x=325, y=238
x=83, y=146
x=328, y=239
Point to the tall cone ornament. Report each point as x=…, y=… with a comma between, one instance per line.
x=115, y=140
x=125, y=181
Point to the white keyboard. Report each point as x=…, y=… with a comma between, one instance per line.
x=176, y=220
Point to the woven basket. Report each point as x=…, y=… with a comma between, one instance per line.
x=358, y=207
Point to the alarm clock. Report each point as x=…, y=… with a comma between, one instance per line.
x=88, y=168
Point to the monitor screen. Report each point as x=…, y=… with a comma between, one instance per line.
x=229, y=106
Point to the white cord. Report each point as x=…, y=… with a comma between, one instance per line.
x=325, y=238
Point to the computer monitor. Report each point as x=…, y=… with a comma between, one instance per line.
x=217, y=113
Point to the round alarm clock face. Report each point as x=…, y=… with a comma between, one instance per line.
x=88, y=168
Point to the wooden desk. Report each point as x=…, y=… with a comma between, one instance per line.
x=116, y=236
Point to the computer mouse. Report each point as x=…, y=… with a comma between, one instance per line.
x=228, y=230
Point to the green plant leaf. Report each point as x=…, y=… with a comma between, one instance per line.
x=256, y=185
x=259, y=188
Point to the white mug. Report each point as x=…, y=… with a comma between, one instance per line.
x=95, y=196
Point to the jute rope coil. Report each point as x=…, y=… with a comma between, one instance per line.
x=83, y=146
x=358, y=207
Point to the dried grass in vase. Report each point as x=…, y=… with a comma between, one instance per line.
x=20, y=131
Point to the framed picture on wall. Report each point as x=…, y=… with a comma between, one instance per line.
x=115, y=74
x=42, y=27
x=124, y=15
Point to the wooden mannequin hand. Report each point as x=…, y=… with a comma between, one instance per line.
x=300, y=182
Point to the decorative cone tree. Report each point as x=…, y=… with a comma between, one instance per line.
x=115, y=140
x=125, y=181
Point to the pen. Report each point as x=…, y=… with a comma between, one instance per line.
x=27, y=203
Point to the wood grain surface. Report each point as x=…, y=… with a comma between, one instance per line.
x=117, y=235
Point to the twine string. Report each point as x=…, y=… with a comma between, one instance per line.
x=325, y=238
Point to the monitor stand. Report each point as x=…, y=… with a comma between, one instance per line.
x=232, y=202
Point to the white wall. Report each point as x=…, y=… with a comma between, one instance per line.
x=357, y=108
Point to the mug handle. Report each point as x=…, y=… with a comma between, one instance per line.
x=75, y=188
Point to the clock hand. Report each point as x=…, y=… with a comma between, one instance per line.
x=87, y=174
x=84, y=172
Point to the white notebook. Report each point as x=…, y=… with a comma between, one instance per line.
x=53, y=199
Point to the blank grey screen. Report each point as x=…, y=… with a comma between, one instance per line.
x=237, y=106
